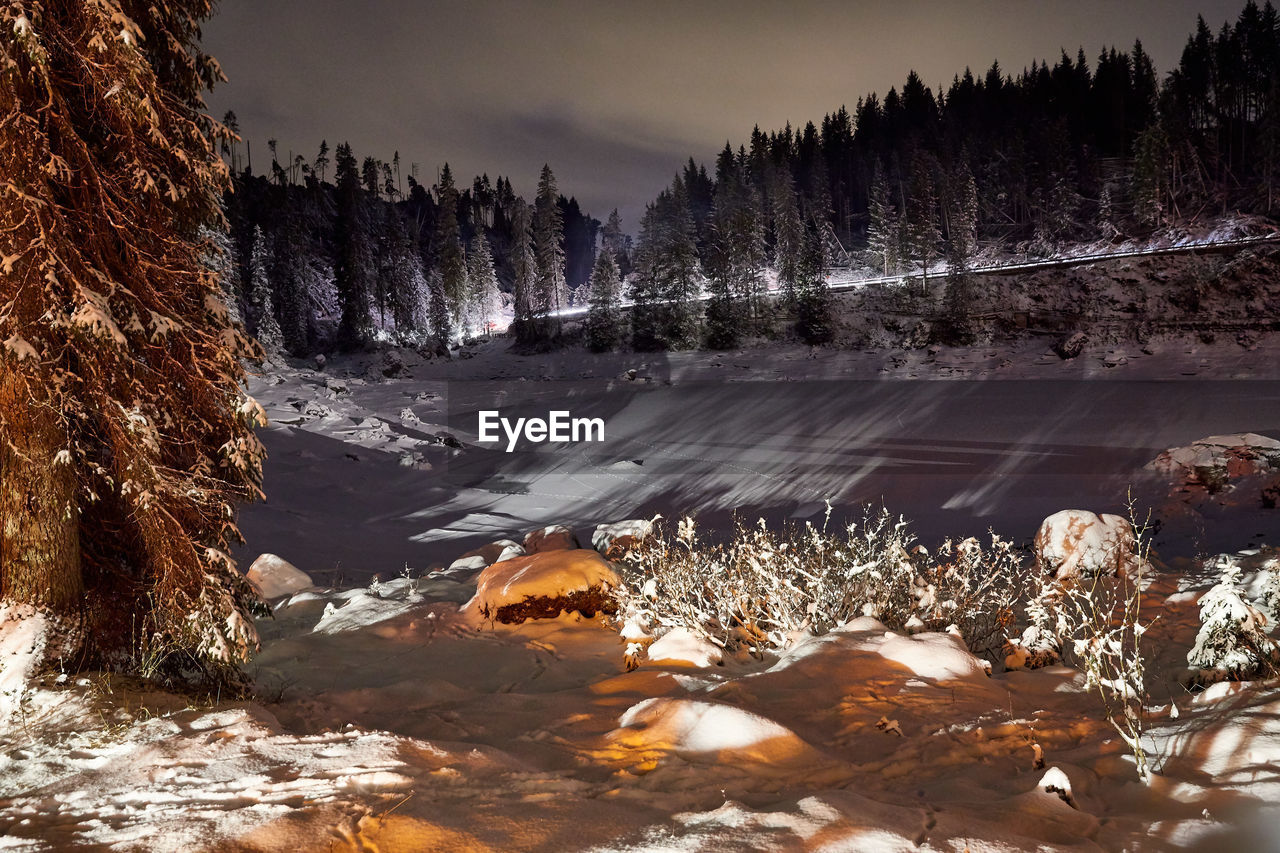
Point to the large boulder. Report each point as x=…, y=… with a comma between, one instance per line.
x=1078, y=543
x=276, y=577
x=1213, y=463
x=614, y=540
x=542, y=585
x=487, y=555
x=553, y=537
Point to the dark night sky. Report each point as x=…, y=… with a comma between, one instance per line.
x=617, y=95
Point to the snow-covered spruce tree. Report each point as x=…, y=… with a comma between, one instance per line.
x=1151, y=154
x=646, y=285
x=612, y=240
x=402, y=272
x=438, y=309
x=789, y=236
x=288, y=275
x=604, y=315
x=220, y=259
x=451, y=260
x=486, y=300
x=125, y=438
x=1232, y=644
x=353, y=263
x=551, y=292
x=883, y=228
x=814, y=322
x=265, y=325
x=922, y=215
x=524, y=268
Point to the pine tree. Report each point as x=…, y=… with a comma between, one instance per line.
x=286, y=270
x=450, y=258
x=814, y=321
x=321, y=164
x=1106, y=223
x=789, y=237
x=402, y=272
x=1232, y=643
x=218, y=256
x=551, y=293
x=883, y=229
x=922, y=216
x=646, y=287
x=127, y=441
x=613, y=241
x=604, y=317
x=524, y=266
x=1149, y=176
x=438, y=311
x=681, y=273
x=265, y=325
x=353, y=265
x=485, y=299
x=963, y=236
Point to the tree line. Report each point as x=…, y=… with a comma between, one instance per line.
x=375, y=254
x=911, y=183
x=1060, y=153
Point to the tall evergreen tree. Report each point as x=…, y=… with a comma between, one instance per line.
x=485, y=299
x=789, y=236
x=551, y=293
x=450, y=258
x=922, y=215
x=266, y=327
x=353, y=265
x=402, y=273
x=604, y=315
x=524, y=264
x=127, y=441
x=814, y=321
x=883, y=235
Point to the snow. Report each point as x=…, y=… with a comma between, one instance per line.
x=547, y=574
x=274, y=577
x=1073, y=543
x=387, y=716
x=606, y=534
x=23, y=637
x=711, y=732
x=682, y=646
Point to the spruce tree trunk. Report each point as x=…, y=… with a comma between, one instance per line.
x=39, y=526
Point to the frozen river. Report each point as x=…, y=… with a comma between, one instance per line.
x=955, y=457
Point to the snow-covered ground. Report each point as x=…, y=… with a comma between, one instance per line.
x=390, y=717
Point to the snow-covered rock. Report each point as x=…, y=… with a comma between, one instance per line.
x=24, y=633
x=711, y=732
x=1213, y=462
x=275, y=577
x=1076, y=542
x=682, y=646
x=553, y=537
x=612, y=540
x=541, y=585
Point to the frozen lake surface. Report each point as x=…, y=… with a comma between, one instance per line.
x=955, y=457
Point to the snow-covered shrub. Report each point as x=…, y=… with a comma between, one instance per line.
x=979, y=590
x=762, y=587
x=1232, y=643
x=1271, y=586
x=1041, y=642
x=1097, y=625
